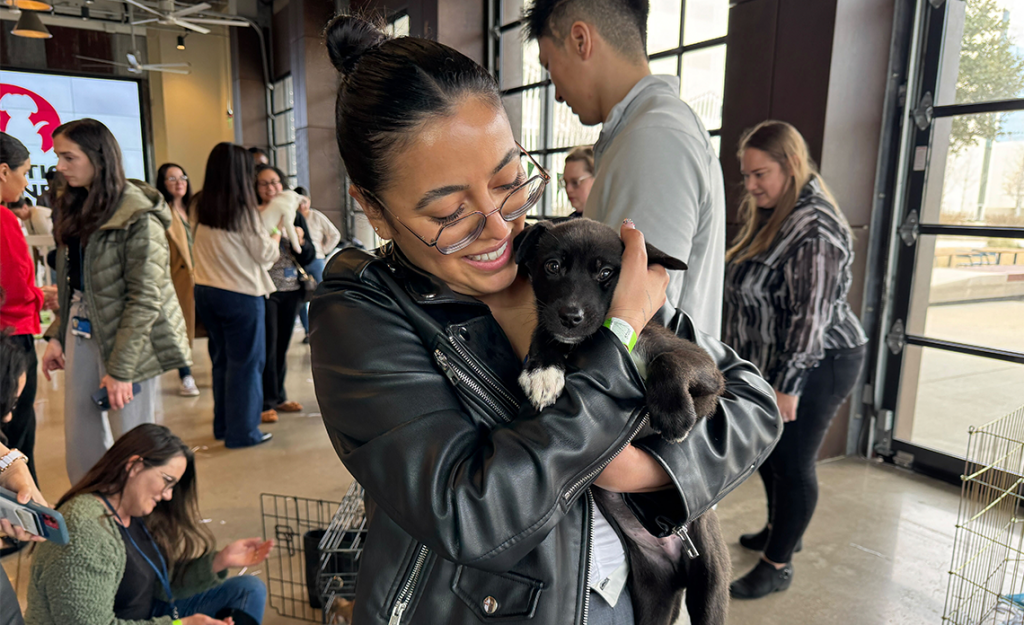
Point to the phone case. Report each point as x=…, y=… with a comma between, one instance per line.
x=49, y=523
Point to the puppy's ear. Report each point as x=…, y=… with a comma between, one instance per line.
x=525, y=243
x=657, y=257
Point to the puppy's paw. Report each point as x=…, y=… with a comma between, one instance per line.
x=674, y=426
x=542, y=386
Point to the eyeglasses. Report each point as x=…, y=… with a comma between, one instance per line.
x=569, y=182
x=174, y=179
x=270, y=183
x=451, y=238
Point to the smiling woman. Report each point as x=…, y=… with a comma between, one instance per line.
x=481, y=501
x=138, y=550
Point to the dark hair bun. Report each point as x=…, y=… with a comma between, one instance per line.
x=348, y=38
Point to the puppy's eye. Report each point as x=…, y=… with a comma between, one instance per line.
x=552, y=266
x=605, y=274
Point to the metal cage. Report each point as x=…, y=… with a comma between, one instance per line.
x=986, y=583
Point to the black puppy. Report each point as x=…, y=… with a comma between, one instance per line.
x=574, y=267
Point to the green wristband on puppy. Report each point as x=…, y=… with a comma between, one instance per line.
x=623, y=330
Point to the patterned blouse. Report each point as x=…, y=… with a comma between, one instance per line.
x=786, y=306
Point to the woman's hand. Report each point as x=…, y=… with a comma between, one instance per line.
x=633, y=471
x=640, y=292
x=53, y=358
x=50, y=298
x=244, y=552
x=18, y=479
x=202, y=619
x=120, y=393
x=787, y=405
x=302, y=235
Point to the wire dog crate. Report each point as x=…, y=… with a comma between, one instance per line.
x=986, y=583
x=316, y=554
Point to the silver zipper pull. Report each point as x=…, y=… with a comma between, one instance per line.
x=691, y=549
x=396, y=614
x=442, y=360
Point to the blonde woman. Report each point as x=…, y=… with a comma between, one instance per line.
x=786, y=282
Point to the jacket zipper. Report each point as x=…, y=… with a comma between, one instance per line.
x=457, y=376
x=589, y=476
x=405, y=596
x=496, y=387
x=684, y=535
x=590, y=559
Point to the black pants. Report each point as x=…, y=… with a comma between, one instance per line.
x=21, y=430
x=790, y=476
x=282, y=309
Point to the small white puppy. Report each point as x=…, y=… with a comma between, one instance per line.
x=284, y=206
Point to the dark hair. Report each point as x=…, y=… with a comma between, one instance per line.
x=13, y=152
x=50, y=175
x=20, y=203
x=228, y=200
x=81, y=211
x=554, y=18
x=255, y=150
x=262, y=167
x=161, y=184
x=301, y=191
x=13, y=364
x=175, y=523
x=389, y=88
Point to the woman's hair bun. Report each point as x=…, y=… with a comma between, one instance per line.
x=348, y=38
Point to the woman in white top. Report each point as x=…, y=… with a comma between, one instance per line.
x=325, y=238
x=233, y=253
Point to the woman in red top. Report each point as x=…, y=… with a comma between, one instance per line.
x=22, y=299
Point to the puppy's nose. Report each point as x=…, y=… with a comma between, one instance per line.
x=571, y=316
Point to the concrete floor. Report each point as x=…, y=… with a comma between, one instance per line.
x=877, y=551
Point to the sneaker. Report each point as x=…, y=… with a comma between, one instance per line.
x=188, y=387
x=268, y=416
x=290, y=406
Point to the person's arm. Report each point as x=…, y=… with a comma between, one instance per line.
x=264, y=248
x=661, y=195
x=17, y=273
x=197, y=576
x=331, y=235
x=812, y=277
x=308, y=253
x=145, y=270
x=17, y=479
x=483, y=498
x=721, y=452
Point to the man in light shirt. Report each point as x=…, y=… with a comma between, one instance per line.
x=655, y=161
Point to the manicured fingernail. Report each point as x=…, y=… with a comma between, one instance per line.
x=627, y=222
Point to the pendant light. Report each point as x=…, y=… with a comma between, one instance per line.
x=32, y=5
x=29, y=25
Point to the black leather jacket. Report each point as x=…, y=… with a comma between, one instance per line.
x=481, y=508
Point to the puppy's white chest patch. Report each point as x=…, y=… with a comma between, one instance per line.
x=542, y=386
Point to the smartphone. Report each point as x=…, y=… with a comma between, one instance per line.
x=33, y=518
x=102, y=399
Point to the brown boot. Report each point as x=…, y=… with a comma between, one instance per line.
x=290, y=406
x=268, y=416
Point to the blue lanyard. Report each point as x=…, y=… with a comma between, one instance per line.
x=161, y=573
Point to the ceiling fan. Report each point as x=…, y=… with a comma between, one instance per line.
x=133, y=64
x=167, y=15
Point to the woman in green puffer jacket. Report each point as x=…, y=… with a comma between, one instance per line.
x=120, y=322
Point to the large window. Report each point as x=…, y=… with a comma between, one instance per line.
x=685, y=38
x=284, y=130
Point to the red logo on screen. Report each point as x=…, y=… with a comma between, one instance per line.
x=45, y=120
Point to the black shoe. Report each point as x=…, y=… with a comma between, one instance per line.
x=763, y=580
x=265, y=437
x=305, y=341
x=758, y=541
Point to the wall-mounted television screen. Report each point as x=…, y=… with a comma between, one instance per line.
x=33, y=105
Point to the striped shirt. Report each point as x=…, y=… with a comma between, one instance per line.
x=784, y=307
